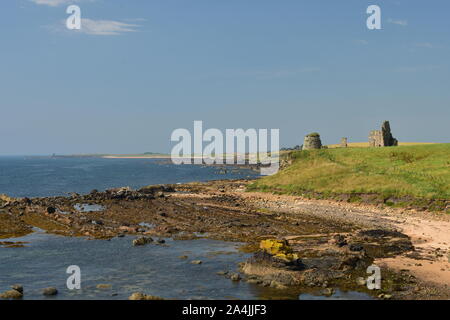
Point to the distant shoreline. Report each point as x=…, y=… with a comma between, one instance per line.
x=162, y=156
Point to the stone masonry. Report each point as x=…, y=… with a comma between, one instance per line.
x=383, y=137
x=312, y=141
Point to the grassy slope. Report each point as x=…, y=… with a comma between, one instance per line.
x=366, y=144
x=421, y=171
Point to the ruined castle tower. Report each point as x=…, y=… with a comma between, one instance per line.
x=383, y=137
x=344, y=142
x=312, y=141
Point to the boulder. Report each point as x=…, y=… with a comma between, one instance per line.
x=11, y=294
x=50, y=291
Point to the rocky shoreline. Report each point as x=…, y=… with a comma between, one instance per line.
x=316, y=247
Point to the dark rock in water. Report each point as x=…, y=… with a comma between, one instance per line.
x=141, y=241
x=161, y=241
x=235, y=277
x=17, y=287
x=11, y=294
x=51, y=291
x=51, y=210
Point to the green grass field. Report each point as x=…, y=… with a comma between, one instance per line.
x=421, y=171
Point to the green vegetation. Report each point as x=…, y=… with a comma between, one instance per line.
x=419, y=171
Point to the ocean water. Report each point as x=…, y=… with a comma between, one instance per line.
x=40, y=177
x=152, y=269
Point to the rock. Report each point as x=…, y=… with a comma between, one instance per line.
x=361, y=281
x=141, y=241
x=339, y=240
x=183, y=257
x=17, y=287
x=277, y=285
x=279, y=249
x=161, y=241
x=127, y=229
x=222, y=273
x=254, y=281
x=104, y=286
x=356, y=247
x=196, y=261
x=51, y=210
x=235, y=277
x=328, y=292
x=11, y=294
x=143, y=296
x=50, y=291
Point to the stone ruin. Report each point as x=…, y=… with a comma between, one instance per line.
x=383, y=137
x=312, y=141
x=344, y=142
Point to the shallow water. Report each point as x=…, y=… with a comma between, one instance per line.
x=153, y=269
x=338, y=295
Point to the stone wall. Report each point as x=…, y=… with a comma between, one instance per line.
x=383, y=137
x=312, y=141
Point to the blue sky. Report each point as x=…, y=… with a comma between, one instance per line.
x=140, y=69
